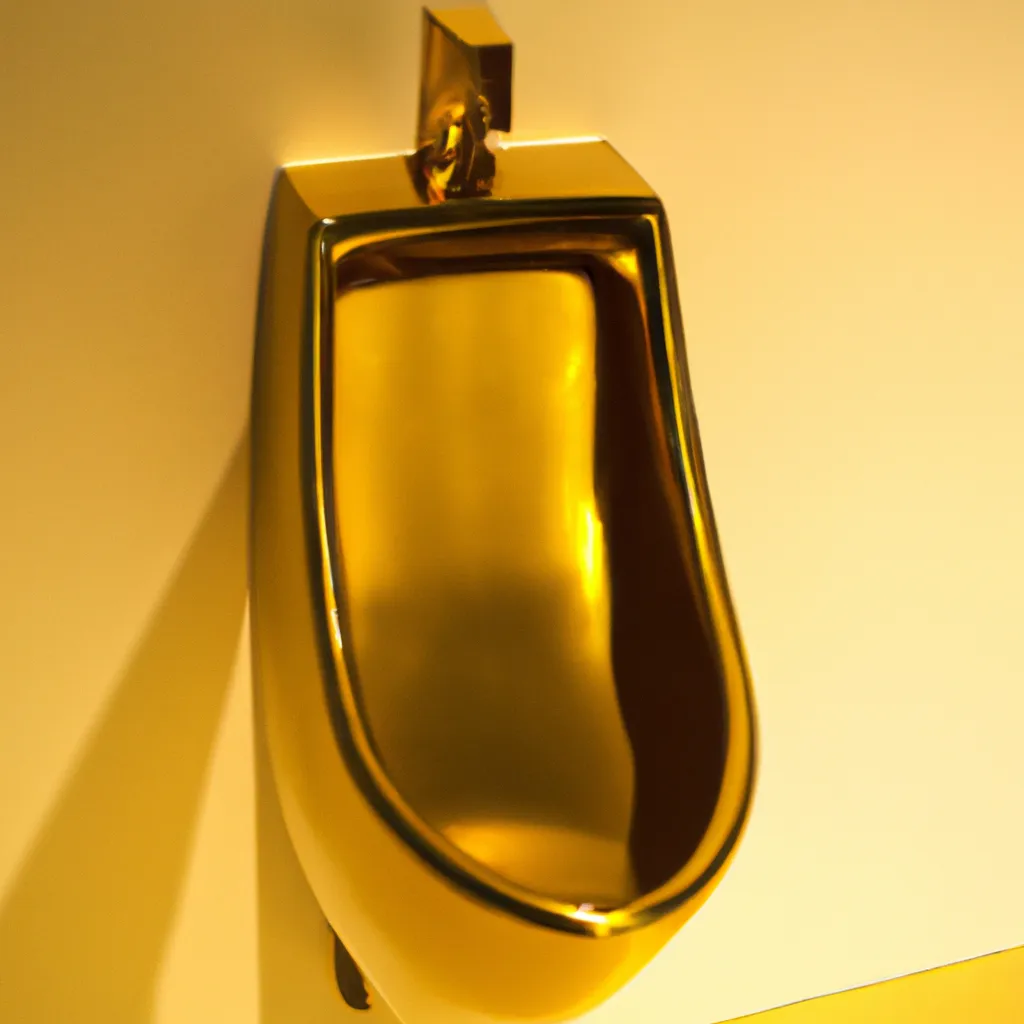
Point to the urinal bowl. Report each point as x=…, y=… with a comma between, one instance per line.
x=504, y=692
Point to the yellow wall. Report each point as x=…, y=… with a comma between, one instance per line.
x=844, y=181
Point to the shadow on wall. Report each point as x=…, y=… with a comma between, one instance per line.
x=85, y=925
x=83, y=930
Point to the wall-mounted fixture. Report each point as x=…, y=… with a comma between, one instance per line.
x=506, y=700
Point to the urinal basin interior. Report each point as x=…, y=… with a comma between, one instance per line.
x=523, y=620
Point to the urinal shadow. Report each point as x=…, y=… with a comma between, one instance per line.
x=85, y=924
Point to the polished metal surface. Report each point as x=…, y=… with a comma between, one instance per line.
x=465, y=101
x=505, y=695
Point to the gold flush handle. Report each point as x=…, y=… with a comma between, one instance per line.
x=465, y=99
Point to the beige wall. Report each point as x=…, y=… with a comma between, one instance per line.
x=844, y=181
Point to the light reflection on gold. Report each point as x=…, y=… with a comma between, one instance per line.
x=591, y=552
x=625, y=262
x=572, y=371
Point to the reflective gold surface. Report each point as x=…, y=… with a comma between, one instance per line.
x=501, y=672
x=465, y=95
x=475, y=570
x=506, y=700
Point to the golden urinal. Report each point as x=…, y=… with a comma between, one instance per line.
x=504, y=692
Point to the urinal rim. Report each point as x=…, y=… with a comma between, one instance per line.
x=643, y=222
